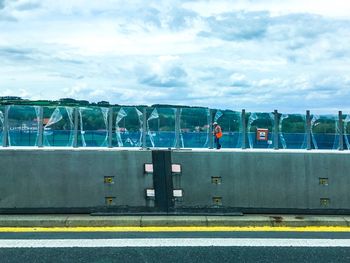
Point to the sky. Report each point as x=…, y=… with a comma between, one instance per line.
x=259, y=55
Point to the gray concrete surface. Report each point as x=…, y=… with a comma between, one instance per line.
x=32, y=178
x=72, y=178
x=264, y=179
x=146, y=221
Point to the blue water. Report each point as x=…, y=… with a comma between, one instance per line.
x=168, y=139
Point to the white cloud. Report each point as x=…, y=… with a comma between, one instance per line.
x=163, y=72
x=335, y=8
x=258, y=55
x=6, y=92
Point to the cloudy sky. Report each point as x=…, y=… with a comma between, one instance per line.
x=260, y=55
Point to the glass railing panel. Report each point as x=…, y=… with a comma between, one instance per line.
x=2, y=118
x=93, y=124
x=231, y=125
x=58, y=126
x=324, y=132
x=23, y=124
x=128, y=126
x=161, y=127
x=292, y=131
x=347, y=131
x=194, y=127
x=260, y=130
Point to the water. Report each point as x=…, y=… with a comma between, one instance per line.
x=167, y=139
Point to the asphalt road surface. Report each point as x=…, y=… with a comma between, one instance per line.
x=198, y=246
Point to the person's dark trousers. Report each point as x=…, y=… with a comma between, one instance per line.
x=217, y=142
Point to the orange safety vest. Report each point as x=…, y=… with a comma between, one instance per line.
x=218, y=133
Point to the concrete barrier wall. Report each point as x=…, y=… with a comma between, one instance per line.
x=243, y=179
x=67, y=178
x=264, y=179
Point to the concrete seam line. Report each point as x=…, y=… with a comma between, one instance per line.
x=141, y=221
x=346, y=221
x=66, y=221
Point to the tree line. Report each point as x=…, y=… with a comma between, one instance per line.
x=163, y=119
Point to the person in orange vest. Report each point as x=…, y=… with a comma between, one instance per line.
x=217, y=134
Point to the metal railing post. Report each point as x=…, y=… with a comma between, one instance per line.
x=110, y=127
x=341, y=131
x=177, y=128
x=76, y=122
x=275, y=132
x=210, y=134
x=244, y=130
x=41, y=124
x=6, y=127
x=144, y=128
x=308, y=130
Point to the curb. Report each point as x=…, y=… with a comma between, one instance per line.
x=173, y=221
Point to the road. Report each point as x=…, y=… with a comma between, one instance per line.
x=160, y=246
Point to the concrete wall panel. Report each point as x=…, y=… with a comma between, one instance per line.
x=47, y=178
x=265, y=179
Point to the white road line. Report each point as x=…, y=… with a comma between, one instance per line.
x=172, y=242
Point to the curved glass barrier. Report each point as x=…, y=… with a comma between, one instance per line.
x=260, y=130
x=23, y=123
x=128, y=127
x=58, y=127
x=231, y=125
x=161, y=127
x=160, y=124
x=324, y=131
x=194, y=127
x=93, y=127
x=347, y=131
x=2, y=117
x=292, y=131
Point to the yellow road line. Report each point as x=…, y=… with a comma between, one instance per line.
x=178, y=229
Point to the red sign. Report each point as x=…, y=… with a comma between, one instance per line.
x=262, y=134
